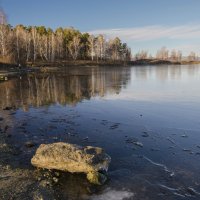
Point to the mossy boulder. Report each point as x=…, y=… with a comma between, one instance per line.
x=73, y=158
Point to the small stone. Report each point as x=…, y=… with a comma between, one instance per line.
x=4, y=145
x=138, y=144
x=6, y=128
x=55, y=179
x=29, y=144
x=8, y=108
x=45, y=183
x=145, y=134
x=7, y=167
x=187, y=150
x=184, y=136
x=57, y=174
x=153, y=149
x=96, y=178
x=39, y=179
x=86, y=138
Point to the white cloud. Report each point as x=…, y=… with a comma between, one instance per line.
x=152, y=32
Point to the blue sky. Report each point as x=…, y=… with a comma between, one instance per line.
x=143, y=24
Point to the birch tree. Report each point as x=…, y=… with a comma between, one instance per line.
x=179, y=56
x=192, y=56
x=100, y=46
x=74, y=47
x=162, y=54
x=60, y=43
x=53, y=47
x=92, y=46
x=4, y=34
x=114, y=48
x=173, y=55
x=35, y=42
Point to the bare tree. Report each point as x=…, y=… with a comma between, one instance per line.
x=141, y=55
x=114, y=47
x=27, y=45
x=53, y=47
x=38, y=43
x=100, y=46
x=4, y=34
x=92, y=46
x=74, y=47
x=59, y=42
x=173, y=55
x=35, y=42
x=22, y=43
x=179, y=56
x=192, y=56
x=162, y=54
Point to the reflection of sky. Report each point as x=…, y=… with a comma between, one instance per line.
x=172, y=83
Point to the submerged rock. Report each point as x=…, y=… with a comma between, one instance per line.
x=73, y=158
x=29, y=144
x=8, y=108
x=96, y=178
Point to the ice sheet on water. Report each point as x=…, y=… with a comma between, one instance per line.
x=112, y=194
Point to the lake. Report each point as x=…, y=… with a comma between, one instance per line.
x=147, y=118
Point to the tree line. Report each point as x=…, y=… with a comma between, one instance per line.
x=165, y=54
x=22, y=44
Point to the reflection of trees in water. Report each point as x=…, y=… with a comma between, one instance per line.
x=63, y=88
x=165, y=72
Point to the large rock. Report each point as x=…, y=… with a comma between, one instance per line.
x=73, y=158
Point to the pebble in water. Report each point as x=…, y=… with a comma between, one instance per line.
x=145, y=134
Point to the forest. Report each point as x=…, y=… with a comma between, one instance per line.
x=22, y=44
x=30, y=44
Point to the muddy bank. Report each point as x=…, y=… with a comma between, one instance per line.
x=17, y=182
x=20, y=180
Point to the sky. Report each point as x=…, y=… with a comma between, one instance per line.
x=143, y=24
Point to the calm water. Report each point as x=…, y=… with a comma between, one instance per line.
x=146, y=118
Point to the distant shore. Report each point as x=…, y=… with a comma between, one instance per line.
x=161, y=62
x=42, y=65
x=110, y=63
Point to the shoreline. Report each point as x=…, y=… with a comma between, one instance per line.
x=80, y=63
x=43, y=66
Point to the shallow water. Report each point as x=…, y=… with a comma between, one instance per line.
x=146, y=118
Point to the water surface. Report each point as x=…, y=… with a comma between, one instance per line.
x=145, y=117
